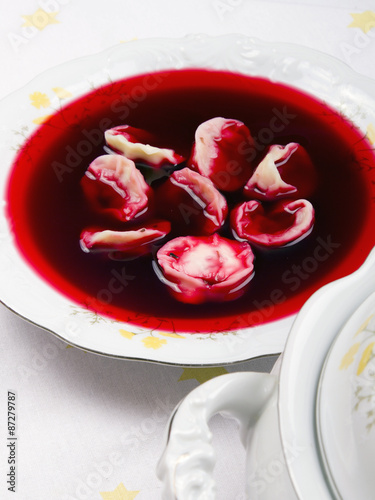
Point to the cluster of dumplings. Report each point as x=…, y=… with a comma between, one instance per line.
x=179, y=218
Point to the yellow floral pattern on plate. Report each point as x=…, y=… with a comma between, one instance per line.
x=153, y=342
x=371, y=133
x=40, y=100
x=361, y=354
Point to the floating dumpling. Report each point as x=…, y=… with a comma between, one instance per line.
x=206, y=268
x=135, y=144
x=219, y=153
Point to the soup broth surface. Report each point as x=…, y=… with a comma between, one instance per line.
x=47, y=209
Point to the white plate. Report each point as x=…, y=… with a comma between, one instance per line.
x=346, y=407
x=30, y=297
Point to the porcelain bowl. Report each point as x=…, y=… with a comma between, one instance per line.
x=24, y=291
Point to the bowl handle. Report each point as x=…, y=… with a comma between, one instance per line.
x=187, y=463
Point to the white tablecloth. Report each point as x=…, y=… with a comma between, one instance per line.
x=90, y=427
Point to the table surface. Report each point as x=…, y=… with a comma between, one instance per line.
x=90, y=427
